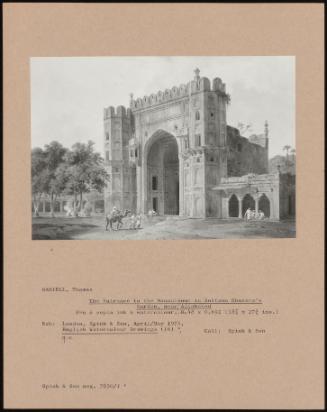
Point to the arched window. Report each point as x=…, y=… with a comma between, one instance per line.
x=247, y=203
x=107, y=136
x=197, y=115
x=233, y=207
x=264, y=205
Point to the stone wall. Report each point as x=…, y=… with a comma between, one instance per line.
x=244, y=157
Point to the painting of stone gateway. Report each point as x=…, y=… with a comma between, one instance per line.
x=163, y=148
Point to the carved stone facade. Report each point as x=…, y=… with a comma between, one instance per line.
x=168, y=151
x=274, y=194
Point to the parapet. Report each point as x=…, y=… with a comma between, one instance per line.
x=199, y=84
x=202, y=84
x=160, y=97
x=120, y=111
x=218, y=85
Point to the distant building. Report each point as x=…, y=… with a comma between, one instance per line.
x=174, y=152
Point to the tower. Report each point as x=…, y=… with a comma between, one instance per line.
x=120, y=190
x=168, y=150
x=205, y=158
x=266, y=134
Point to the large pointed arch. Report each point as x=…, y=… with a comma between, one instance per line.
x=161, y=173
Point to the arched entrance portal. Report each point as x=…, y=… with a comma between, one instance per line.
x=264, y=205
x=233, y=206
x=162, y=189
x=247, y=202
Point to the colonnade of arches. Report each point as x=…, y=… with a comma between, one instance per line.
x=237, y=206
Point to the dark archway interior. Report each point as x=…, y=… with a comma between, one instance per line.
x=264, y=205
x=247, y=202
x=163, y=175
x=233, y=206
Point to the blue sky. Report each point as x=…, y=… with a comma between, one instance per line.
x=68, y=94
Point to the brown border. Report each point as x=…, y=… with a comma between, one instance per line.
x=285, y=369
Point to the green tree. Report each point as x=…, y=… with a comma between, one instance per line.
x=244, y=128
x=84, y=172
x=287, y=149
x=54, y=157
x=39, y=177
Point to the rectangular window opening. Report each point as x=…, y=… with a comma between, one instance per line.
x=154, y=183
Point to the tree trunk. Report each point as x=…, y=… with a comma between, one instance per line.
x=36, y=204
x=52, y=200
x=75, y=205
x=80, y=201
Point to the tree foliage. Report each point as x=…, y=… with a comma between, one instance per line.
x=243, y=128
x=57, y=170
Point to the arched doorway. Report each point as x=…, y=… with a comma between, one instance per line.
x=247, y=202
x=264, y=205
x=233, y=206
x=162, y=189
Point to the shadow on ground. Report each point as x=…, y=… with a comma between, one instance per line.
x=59, y=228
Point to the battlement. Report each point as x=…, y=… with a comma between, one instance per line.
x=177, y=92
x=260, y=140
x=120, y=111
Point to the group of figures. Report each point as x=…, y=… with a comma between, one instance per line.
x=253, y=215
x=117, y=216
x=133, y=219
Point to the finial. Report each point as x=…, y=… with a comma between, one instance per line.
x=266, y=128
x=131, y=95
x=197, y=74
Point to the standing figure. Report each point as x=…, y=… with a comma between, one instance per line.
x=248, y=214
x=132, y=222
x=138, y=222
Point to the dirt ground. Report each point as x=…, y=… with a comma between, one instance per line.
x=169, y=227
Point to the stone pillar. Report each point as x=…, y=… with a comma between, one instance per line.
x=139, y=177
x=225, y=209
x=61, y=206
x=181, y=185
x=43, y=206
x=240, y=214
